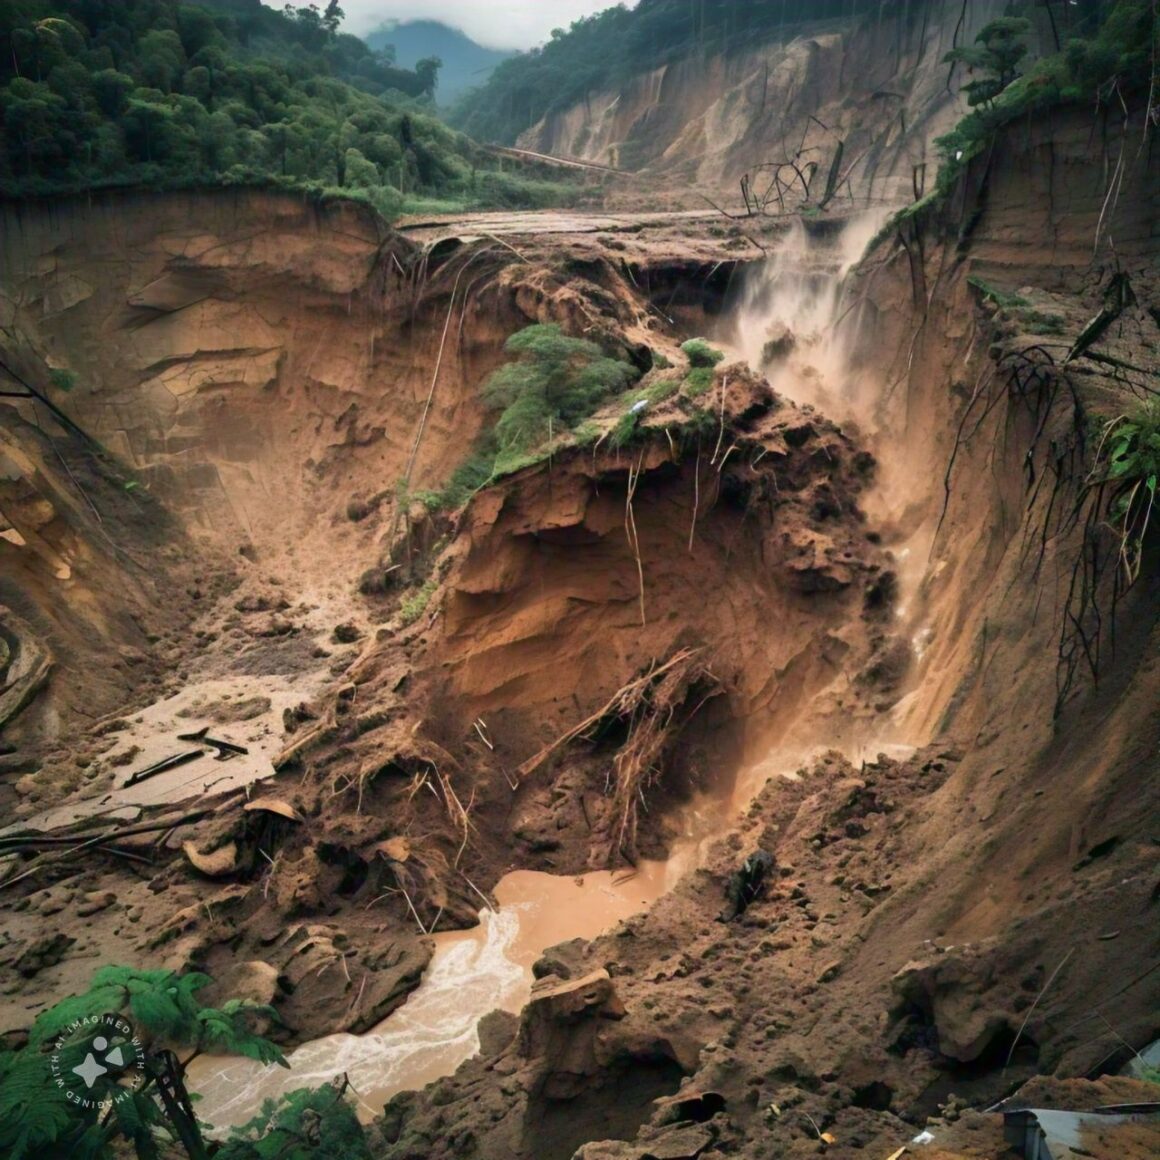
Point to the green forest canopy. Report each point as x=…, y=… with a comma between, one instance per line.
x=162, y=93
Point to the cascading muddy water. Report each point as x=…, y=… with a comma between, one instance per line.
x=786, y=326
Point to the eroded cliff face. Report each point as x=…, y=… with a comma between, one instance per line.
x=245, y=371
x=879, y=88
x=260, y=386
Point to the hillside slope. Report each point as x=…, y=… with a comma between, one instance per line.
x=875, y=89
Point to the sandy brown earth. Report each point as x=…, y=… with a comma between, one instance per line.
x=940, y=927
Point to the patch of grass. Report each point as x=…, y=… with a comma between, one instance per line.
x=660, y=362
x=627, y=429
x=697, y=382
x=474, y=473
x=701, y=354
x=587, y=432
x=658, y=392
x=415, y=605
x=61, y=379
x=413, y=204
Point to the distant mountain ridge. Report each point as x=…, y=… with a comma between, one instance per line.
x=466, y=64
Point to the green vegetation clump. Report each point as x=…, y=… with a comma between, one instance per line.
x=1111, y=56
x=554, y=383
x=61, y=379
x=627, y=429
x=415, y=605
x=166, y=94
x=1004, y=299
x=655, y=393
x=700, y=354
x=586, y=432
x=1031, y=319
x=1043, y=321
x=309, y=1124
x=126, y=1030
x=547, y=398
x=1130, y=455
x=698, y=381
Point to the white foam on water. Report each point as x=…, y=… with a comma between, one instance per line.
x=471, y=973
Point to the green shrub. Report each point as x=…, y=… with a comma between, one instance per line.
x=1130, y=454
x=61, y=379
x=309, y=1124
x=555, y=382
x=701, y=354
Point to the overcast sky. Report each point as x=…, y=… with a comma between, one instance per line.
x=496, y=23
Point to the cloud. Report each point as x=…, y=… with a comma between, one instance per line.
x=495, y=23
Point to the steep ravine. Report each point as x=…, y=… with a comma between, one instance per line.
x=264, y=373
x=948, y=925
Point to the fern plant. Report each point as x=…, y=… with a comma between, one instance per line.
x=1130, y=450
x=101, y=1067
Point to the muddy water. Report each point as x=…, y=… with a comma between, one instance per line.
x=473, y=972
x=793, y=299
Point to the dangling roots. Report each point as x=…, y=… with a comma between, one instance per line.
x=647, y=705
